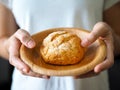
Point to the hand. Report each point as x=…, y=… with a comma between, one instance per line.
x=14, y=43
x=103, y=31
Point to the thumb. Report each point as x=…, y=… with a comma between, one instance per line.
x=25, y=38
x=100, y=29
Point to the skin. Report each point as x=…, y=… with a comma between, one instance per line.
x=11, y=38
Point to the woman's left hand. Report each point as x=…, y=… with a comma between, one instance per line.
x=103, y=31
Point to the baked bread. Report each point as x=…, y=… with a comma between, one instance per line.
x=62, y=48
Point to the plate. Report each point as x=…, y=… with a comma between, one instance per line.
x=94, y=55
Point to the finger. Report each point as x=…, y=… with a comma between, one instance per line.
x=25, y=38
x=33, y=74
x=99, y=30
x=86, y=75
x=109, y=59
x=15, y=61
x=14, y=58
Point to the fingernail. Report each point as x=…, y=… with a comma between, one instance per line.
x=85, y=43
x=46, y=77
x=97, y=70
x=25, y=70
x=31, y=43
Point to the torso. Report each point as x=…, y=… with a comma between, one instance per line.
x=43, y=14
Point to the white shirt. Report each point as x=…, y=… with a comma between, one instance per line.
x=38, y=15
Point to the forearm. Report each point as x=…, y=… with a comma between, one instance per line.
x=116, y=39
x=112, y=18
x=3, y=46
x=7, y=27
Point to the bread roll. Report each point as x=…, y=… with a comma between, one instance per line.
x=62, y=48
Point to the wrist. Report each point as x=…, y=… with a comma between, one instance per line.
x=116, y=44
x=4, y=47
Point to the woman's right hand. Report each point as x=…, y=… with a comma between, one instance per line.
x=14, y=42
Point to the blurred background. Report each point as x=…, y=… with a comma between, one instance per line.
x=5, y=74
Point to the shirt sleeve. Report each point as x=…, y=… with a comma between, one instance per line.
x=6, y=3
x=109, y=3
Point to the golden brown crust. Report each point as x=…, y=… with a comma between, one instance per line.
x=62, y=48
